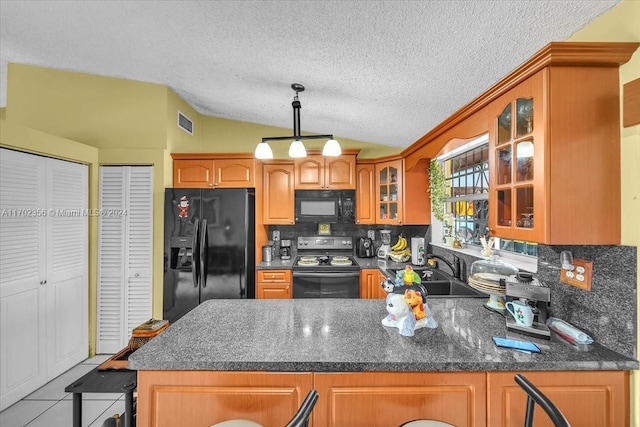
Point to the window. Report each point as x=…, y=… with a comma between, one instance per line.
x=467, y=205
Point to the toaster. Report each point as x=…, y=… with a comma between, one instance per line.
x=365, y=248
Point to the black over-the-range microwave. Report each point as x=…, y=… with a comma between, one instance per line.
x=335, y=206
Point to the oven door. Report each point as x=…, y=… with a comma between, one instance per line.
x=344, y=284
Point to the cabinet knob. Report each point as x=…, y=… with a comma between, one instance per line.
x=136, y=275
x=210, y=185
x=43, y=282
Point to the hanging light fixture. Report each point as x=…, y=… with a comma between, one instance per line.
x=297, y=149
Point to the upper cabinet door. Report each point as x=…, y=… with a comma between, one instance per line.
x=234, y=173
x=517, y=208
x=278, y=193
x=214, y=173
x=316, y=172
x=309, y=172
x=365, y=194
x=340, y=172
x=389, y=192
x=193, y=173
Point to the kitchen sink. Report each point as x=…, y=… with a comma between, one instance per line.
x=440, y=284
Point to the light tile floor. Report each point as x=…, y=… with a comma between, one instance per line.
x=51, y=406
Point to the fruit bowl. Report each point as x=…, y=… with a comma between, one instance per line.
x=399, y=257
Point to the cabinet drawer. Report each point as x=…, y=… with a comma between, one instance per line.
x=272, y=276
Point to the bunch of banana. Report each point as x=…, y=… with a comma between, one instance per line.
x=400, y=252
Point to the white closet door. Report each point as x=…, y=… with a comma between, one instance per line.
x=43, y=271
x=22, y=267
x=67, y=265
x=125, y=258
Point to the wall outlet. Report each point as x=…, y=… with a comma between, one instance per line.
x=276, y=235
x=371, y=234
x=580, y=276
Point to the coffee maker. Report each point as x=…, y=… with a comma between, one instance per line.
x=525, y=287
x=285, y=249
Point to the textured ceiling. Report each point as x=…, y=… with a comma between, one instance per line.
x=385, y=72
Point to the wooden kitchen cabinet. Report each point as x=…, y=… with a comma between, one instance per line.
x=213, y=171
x=365, y=193
x=316, y=172
x=273, y=284
x=586, y=398
x=370, y=284
x=278, y=193
x=203, y=398
x=383, y=399
x=554, y=158
x=401, y=195
x=389, y=192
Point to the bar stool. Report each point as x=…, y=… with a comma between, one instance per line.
x=300, y=419
x=536, y=396
x=426, y=423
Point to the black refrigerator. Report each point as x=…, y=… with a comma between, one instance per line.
x=209, y=247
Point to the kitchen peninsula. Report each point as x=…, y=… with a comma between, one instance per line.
x=257, y=359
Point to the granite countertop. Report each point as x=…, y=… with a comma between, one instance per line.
x=346, y=335
x=276, y=264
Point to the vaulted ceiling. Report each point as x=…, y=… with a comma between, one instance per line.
x=384, y=72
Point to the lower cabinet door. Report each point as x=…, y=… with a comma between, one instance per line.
x=586, y=398
x=383, y=399
x=273, y=291
x=203, y=398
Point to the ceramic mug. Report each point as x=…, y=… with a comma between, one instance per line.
x=520, y=311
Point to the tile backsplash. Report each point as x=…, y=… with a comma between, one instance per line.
x=608, y=312
x=350, y=230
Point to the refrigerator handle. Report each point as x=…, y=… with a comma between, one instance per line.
x=195, y=262
x=204, y=259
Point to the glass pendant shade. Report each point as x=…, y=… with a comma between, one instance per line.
x=331, y=148
x=297, y=150
x=263, y=151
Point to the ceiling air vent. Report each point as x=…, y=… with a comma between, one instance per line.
x=185, y=123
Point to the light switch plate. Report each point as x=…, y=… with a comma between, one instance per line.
x=371, y=234
x=579, y=280
x=276, y=235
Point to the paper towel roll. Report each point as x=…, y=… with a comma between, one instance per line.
x=417, y=251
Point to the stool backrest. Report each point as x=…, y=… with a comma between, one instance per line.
x=301, y=418
x=536, y=396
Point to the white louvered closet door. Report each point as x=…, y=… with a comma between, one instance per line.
x=43, y=271
x=67, y=264
x=125, y=253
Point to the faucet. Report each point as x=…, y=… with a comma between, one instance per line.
x=455, y=266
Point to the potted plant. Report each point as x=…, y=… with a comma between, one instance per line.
x=438, y=189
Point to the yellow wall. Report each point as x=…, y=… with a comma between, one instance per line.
x=33, y=141
x=103, y=112
x=622, y=24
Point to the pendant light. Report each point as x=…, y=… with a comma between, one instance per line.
x=297, y=148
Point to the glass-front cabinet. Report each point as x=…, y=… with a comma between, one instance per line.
x=516, y=157
x=389, y=192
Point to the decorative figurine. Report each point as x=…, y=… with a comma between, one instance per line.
x=407, y=306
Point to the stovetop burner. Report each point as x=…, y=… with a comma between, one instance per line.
x=320, y=260
x=325, y=252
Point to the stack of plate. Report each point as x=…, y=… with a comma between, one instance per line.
x=488, y=283
x=340, y=260
x=308, y=260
